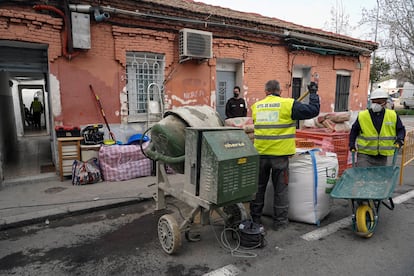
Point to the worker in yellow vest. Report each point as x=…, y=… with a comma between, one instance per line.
x=376, y=132
x=36, y=108
x=274, y=120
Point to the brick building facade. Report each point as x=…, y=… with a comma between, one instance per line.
x=132, y=58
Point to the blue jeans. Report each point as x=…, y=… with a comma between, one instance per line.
x=278, y=168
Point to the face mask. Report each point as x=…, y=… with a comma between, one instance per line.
x=236, y=95
x=376, y=107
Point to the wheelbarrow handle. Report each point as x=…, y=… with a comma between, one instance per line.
x=394, y=158
x=353, y=157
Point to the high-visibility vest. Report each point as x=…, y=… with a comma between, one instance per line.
x=373, y=143
x=274, y=129
x=37, y=106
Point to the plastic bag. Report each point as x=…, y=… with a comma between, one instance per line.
x=86, y=172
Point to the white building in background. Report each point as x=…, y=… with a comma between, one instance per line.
x=407, y=97
x=391, y=86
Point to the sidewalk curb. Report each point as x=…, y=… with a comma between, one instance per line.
x=45, y=177
x=58, y=213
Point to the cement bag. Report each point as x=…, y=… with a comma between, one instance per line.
x=312, y=175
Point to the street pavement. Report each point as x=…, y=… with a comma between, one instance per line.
x=44, y=197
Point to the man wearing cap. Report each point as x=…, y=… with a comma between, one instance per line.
x=376, y=132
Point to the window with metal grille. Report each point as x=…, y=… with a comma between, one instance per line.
x=343, y=84
x=145, y=78
x=222, y=93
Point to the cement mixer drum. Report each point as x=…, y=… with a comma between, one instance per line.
x=168, y=135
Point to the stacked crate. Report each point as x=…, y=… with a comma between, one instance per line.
x=328, y=141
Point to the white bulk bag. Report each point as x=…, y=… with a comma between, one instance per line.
x=312, y=175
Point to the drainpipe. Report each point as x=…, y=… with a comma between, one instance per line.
x=99, y=15
x=66, y=30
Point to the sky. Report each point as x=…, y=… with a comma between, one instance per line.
x=309, y=13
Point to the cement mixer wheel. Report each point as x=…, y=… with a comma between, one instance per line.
x=169, y=234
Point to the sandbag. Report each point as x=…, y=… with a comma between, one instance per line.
x=312, y=175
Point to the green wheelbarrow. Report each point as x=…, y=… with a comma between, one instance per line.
x=367, y=188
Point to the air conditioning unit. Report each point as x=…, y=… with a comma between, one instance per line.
x=195, y=44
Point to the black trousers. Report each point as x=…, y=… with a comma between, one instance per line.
x=36, y=119
x=277, y=168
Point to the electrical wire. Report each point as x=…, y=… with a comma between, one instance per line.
x=235, y=250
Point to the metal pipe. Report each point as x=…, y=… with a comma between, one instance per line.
x=98, y=12
x=326, y=41
x=375, y=40
x=80, y=8
x=100, y=15
x=109, y=9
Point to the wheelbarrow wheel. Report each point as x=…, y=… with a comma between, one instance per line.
x=365, y=220
x=169, y=234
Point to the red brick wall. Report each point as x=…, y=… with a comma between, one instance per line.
x=32, y=27
x=103, y=66
x=95, y=67
x=264, y=62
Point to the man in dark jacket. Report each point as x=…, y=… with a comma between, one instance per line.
x=236, y=106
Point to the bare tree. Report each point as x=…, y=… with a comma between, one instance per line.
x=396, y=33
x=339, y=21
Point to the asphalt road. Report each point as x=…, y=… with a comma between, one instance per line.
x=124, y=241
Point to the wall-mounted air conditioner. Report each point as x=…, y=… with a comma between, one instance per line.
x=195, y=44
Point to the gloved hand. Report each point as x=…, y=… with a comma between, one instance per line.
x=352, y=148
x=313, y=87
x=399, y=143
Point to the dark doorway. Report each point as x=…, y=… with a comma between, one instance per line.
x=26, y=65
x=27, y=93
x=296, y=87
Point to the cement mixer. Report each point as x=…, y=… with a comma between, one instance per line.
x=217, y=169
x=168, y=135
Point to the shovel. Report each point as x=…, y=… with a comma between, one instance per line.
x=104, y=117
